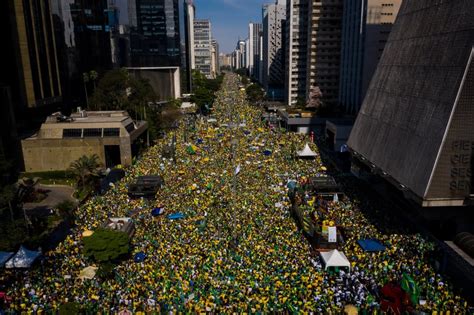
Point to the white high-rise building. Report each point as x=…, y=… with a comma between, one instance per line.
x=296, y=55
x=203, y=47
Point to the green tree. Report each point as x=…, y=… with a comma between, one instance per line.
x=118, y=90
x=106, y=245
x=85, y=170
x=7, y=197
x=93, y=76
x=255, y=93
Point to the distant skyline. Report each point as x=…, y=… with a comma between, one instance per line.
x=230, y=19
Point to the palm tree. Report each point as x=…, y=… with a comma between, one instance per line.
x=85, y=169
x=86, y=79
x=93, y=75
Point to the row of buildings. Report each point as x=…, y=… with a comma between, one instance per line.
x=58, y=50
x=303, y=45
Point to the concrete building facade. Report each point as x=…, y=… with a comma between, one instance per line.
x=215, y=69
x=273, y=68
x=366, y=27
x=36, y=58
x=255, y=50
x=296, y=50
x=203, y=46
x=324, y=49
x=416, y=124
x=112, y=135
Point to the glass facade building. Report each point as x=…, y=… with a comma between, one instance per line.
x=155, y=33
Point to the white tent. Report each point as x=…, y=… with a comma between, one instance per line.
x=306, y=152
x=22, y=259
x=335, y=258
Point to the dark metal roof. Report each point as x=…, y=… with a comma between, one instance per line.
x=412, y=95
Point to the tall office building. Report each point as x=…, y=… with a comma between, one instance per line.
x=215, y=69
x=366, y=27
x=273, y=67
x=189, y=16
x=239, y=55
x=88, y=38
x=324, y=49
x=34, y=61
x=203, y=46
x=155, y=38
x=416, y=123
x=254, y=50
x=296, y=50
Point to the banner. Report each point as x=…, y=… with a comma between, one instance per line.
x=332, y=234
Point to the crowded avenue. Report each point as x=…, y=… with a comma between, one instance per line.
x=233, y=245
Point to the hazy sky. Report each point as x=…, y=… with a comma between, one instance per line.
x=230, y=18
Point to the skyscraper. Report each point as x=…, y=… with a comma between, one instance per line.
x=296, y=54
x=366, y=27
x=33, y=46
x=324, y=49
x=155, y=39
x=215, y=58
x=239, y=55
x=255, y=47
x=189, y=16
x=273, y=67
x=202, y=46
x=87, y=38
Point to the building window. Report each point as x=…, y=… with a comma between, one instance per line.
x=92, y=132
x=111, y=132
x=72, y=133
x=130, y=127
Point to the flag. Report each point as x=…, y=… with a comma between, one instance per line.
x=411, y=288
x=237, y=169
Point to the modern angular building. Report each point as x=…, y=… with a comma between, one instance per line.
x=203, y=46
x=416, y=124
x=366, y=27
x=155, y=38
x=273, y=66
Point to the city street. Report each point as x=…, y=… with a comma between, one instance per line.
x=235, y=245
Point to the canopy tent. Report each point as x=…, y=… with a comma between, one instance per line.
x=335, y=258
x=24, y=258
x=176, y=216
x=306, y=152
x=88, y=273
x=4, y=257
x=371, y=245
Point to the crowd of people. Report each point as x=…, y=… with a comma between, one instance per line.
x=237, y=249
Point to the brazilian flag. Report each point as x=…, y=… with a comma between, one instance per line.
x=411, y=287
